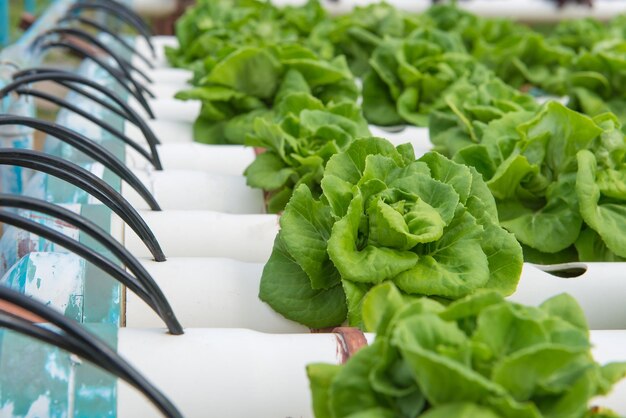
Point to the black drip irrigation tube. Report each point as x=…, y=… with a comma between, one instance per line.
x=70, y=336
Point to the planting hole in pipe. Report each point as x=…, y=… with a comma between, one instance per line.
x=392, y=129
x=565, y=270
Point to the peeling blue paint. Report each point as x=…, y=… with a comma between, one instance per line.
x=80, y=290
x=35, y=379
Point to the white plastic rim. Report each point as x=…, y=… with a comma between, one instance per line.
x=224, y=373
x=600, y=291
x=218, y=159
x=209, y=372
x=197, y=190
x=191, y=233
x=167, y=131
x=209, y=293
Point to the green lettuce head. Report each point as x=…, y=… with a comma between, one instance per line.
x=479, y=357
x=245, y=84
x=469, y=108
x=409, y=76
x=298, y=141
x=597, y=79
x=357, y=33
x=559, y=180
x=430, y=226
x=527, y=58
x=211, y=27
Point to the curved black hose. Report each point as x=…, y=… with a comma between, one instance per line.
x=88, y=182
x=129, y=11
x=22, y=326
x=98, y=234
x=66, y=78
x=120, y=12
x=125, y=66
x=102, y=28
x=121, y=73
x=97, y=348
x=36, y=74
x=101, y=123
x=89, y=148
x=136, y=93
x=81, y=250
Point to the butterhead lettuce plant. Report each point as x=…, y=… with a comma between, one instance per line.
x=408, y=76
x=558, y=178
x=298, y=140
x=469, y=108
x=479, y=357
x=243, y=85
x=430, y=226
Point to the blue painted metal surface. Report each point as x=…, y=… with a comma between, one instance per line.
x=40, y=380
x=30, y=6
x=45, y=271
x=19, y=55
x=4, y=22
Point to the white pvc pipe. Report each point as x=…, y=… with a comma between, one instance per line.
x=196, y=190
x=525, y=10
x=341, y=7
x=219, y=292
x=209, y=293
x=174, y=120
x=608, y=347
x=600, y=291
x=166, y=90
x=542, y=11
x=159, y=42
x=219, y=159
x=239, y=373
x=175, y=76
x=191, y=233
x=154, y=8
x=224, y=373
x=166, y=130
x=172, y=109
